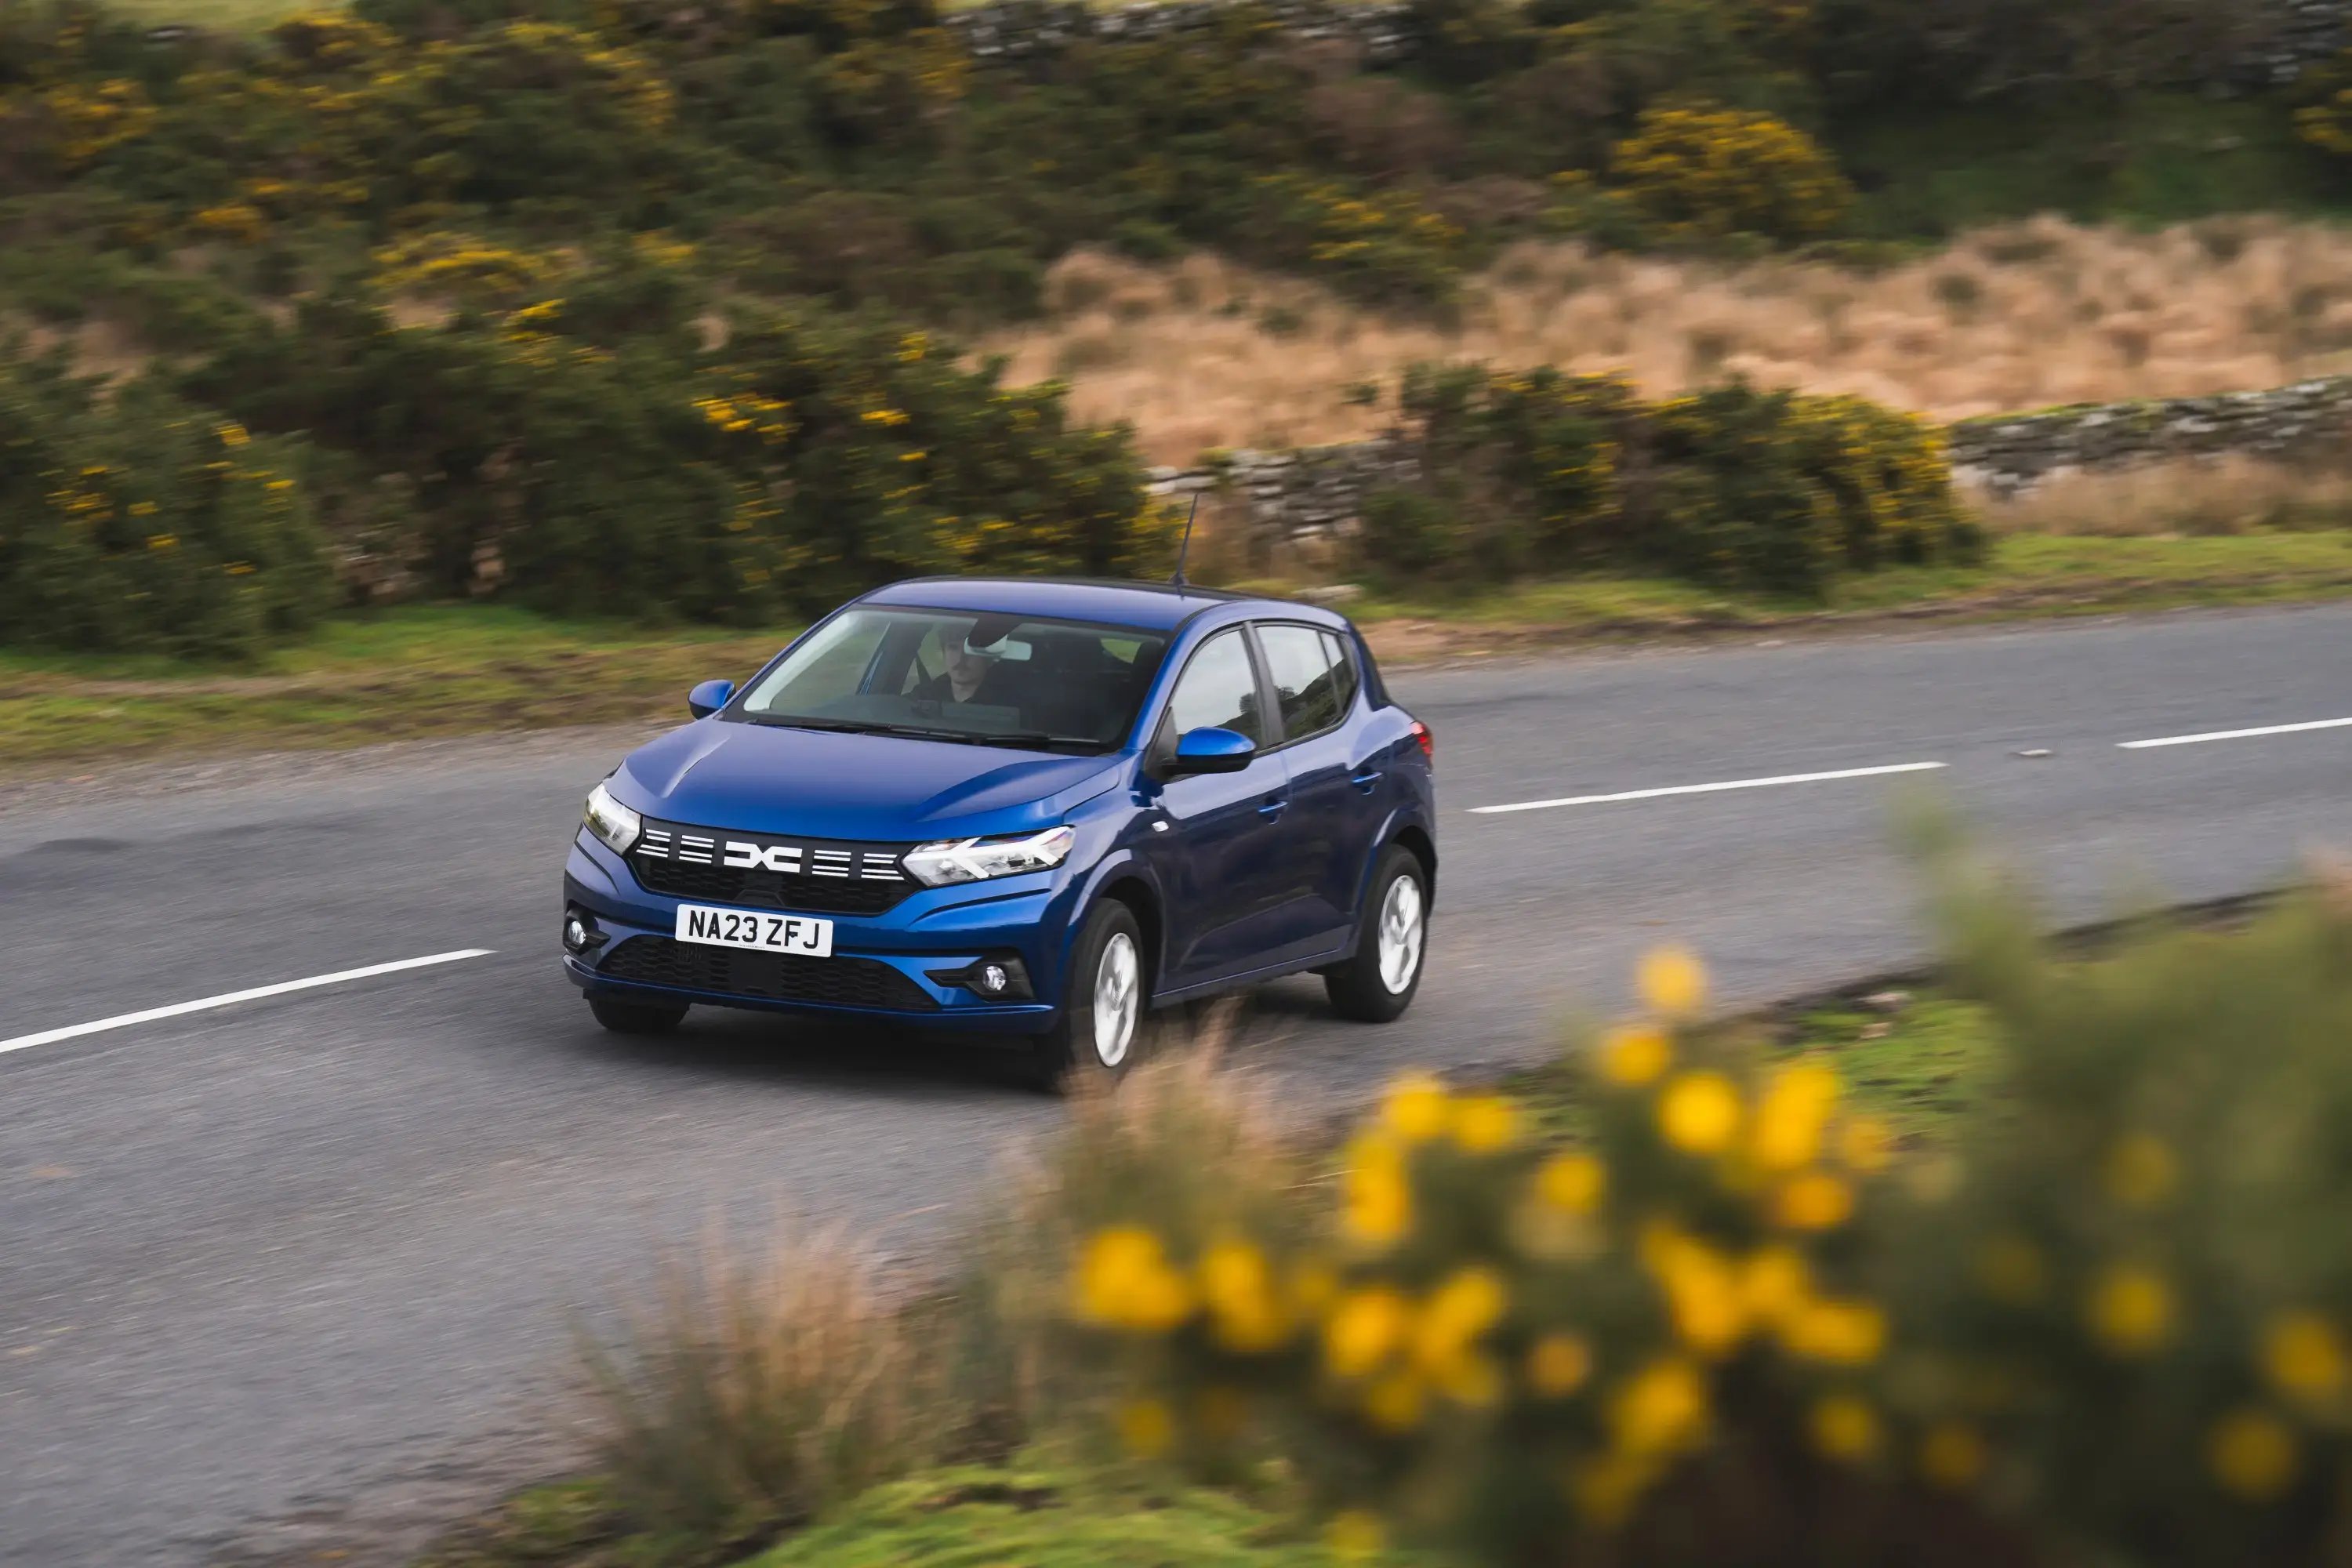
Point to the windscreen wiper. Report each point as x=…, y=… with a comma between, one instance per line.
x=1034, y=739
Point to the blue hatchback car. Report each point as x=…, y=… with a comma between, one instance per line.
x=1026, y=808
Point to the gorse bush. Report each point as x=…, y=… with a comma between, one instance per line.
x=1734, y=1325
x=148, y=524
x=1707, y=172
x=1544, y=471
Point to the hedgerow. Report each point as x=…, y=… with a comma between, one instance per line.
x=1543, y=471
x=147, y=524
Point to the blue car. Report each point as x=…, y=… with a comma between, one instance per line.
x=1029, y=809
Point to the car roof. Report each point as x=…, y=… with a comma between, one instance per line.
x=1152, y=606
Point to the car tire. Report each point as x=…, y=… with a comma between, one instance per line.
x=1100, y=1032
x=1392, y=943
x=636, y=1017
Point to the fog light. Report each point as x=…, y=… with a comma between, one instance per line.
x=580, y=933
x=1002, y=979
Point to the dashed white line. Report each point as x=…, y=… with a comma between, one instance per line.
x=1707, y=788
x=2237, y=734
x=51, y=1036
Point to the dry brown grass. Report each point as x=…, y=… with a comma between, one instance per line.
x=2209, y=496
x=757, y=1391
x=1205, y=354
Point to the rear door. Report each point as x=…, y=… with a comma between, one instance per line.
x=1334, y=808
x=1220, y=861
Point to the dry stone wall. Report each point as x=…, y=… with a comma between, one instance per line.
x=1013, y=30
x=1314, y=495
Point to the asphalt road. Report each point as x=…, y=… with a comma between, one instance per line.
x=302, y=1269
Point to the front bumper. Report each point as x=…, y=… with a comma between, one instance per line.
x=933, y=931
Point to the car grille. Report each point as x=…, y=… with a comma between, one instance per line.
x=766, y=977
x=819, y=876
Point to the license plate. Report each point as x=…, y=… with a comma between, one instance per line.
x=747, y=927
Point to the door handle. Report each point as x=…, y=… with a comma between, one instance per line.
x=1273, y=807
x=1366, y=779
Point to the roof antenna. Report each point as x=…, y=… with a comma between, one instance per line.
x=1185, y=550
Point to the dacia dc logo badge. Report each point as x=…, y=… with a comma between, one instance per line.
x=774, y=857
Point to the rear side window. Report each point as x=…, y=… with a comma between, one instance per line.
x=1218, y=690
x=1313, y=682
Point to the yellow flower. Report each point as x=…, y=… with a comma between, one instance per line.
x=1790, y=1116
x=232, y=434
x=1485, y=1123
x=1558, y=1364
x=1660, y=1409
x=1238, y=1289
x=1355, y=1535
x=1363, y=1329
x=1673, y=982
x=1455, y=1317
x=1415, y=1108
x=1379, y=1197
x=2252, y=1454
x=2140, y=1171
x=1864, y=1144
x=1844, y=1429
x=1146, y=1428
x=1124, y=1282
x=1633, y=1056
x=1776, y=1283
x=2011, y=1270
x=1815, y=1201
x=1702, y=1289
x=1571, y=1183
x=1952, y=1454
x=1842, y=1333
x=2304, y=1355
x=1699, y=1113
x=2130, y=1310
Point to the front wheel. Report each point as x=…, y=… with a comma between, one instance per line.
x=636, y=1017
x=1391, y=938
x=1101, y=1026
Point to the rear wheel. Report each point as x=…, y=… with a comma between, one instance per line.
x=1099, y=1032
x=636, y=1017
x=1391, y=940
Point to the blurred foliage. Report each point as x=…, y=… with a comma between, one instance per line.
x=1540, y=471
x=2103, y=1321
x=146, y=523
x=497, y=262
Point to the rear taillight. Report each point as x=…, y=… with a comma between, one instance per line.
x=1428, y=741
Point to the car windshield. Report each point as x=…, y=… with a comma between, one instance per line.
x=956, y=675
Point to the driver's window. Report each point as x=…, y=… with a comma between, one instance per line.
x=1218, y=690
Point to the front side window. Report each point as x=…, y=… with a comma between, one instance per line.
x=954, y=675
x=1313, y=684
x=1218, y=691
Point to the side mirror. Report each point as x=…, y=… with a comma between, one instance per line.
x=1212, y=751
x=708, y=697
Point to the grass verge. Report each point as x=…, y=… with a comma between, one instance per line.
x=432, y=671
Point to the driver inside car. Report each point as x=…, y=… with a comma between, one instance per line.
x=976, y=673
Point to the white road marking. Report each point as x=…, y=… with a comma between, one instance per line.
x=2236, y=735
x=51, y=1036
x=1705, y=788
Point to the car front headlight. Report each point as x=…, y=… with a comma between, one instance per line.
x=976, y=860
x=614, y=824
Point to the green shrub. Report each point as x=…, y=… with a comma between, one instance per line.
x=807, y=459
x=1545, y=473
x=2107, y=1322
x=1704, y=172
x=145, y=524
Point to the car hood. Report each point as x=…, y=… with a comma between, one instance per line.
x=818, y=783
